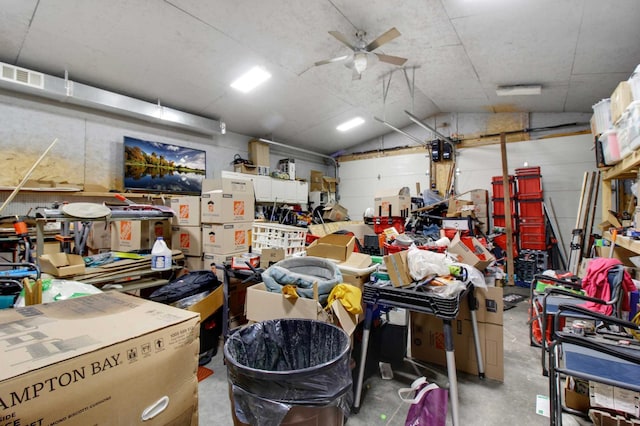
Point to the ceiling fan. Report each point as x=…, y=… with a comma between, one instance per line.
x=363, y=55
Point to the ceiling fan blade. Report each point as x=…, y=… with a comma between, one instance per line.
x=384, y=38
x=395, y=60
x=341, y=37
x=332, y=60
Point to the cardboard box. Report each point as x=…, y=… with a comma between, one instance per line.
x=227, y=200
x=105, y=357
x=211, y=260
x=315, y=181
x=187, y=239
x=332, y=246
x=187, y=210
x=477, y=256
x=335, y=212
x=388, y=202
x=615, y=398
x=398, y=269
x=226, y=238
x=489, y=308
x=479, y=197
x=259, y=153
x=604, y=418
x=269, y=256
x=194, y=263
x=574, y=399
x=620, y=100
x=456, y=206
x=248, y=169
x=427, y=344
x=262, y=305
x=129, y=235
x=329, y=184
x=62, y=264
x=210, y=304
x=99, y=237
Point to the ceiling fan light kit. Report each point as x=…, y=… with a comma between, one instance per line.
x=363, y=56
x=360, y=62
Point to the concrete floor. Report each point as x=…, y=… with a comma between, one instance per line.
x=482, y=402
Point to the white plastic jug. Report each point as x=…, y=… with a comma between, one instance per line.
x=160, y=256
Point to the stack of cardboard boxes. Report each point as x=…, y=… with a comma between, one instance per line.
x=227, y=213
x=186, y=233
x=128, y=235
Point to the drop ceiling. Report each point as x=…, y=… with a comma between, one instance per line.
x=184, y=54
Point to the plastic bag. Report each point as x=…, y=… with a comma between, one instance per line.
x=428, y=407
x=56, y=289
x=424, y=262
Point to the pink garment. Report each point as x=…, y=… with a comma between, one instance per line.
x=596, y=284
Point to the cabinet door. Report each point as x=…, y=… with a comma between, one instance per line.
x=302, y=192
x=262, y=188
x=282, y=191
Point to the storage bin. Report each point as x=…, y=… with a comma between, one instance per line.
x=602, y=113
x=610, y=147
x=634, y=83
x=273, y=235
x=622, y=133
x=498, y=207
x=633, y=125
x=498, y=187
x=530, y=209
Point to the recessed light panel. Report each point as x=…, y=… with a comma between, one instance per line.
x=251, y=79
x=347, y=125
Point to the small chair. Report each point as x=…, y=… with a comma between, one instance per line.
x=608, y=355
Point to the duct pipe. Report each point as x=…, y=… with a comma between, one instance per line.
x=64, y=90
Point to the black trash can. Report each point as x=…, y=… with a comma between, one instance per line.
x=289, y=372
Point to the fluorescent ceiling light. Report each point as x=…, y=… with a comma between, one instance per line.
x=251, y=79
x=519, y=90
x=347, y=125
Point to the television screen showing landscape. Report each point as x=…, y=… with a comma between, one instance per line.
x=159, y=167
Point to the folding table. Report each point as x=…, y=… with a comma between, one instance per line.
x=413, y=298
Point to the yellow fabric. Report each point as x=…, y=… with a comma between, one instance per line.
x=350, y=296
x=289, y=291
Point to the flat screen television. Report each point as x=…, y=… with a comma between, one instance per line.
x=162, y=168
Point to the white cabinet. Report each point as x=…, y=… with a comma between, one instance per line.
x=262, y=188
x=282, y=191
x=269, y=190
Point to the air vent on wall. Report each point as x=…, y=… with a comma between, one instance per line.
x=22, y=76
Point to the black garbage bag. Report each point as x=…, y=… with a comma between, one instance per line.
x=275, y=365
x=187, y=285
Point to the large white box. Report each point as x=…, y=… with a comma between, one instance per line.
x=187, y=210
x=187, y=239
x=225, y=238
x=104, y=358
x=129, y=235
x=227, y=200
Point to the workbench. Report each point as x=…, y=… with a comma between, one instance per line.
x=413, y=299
